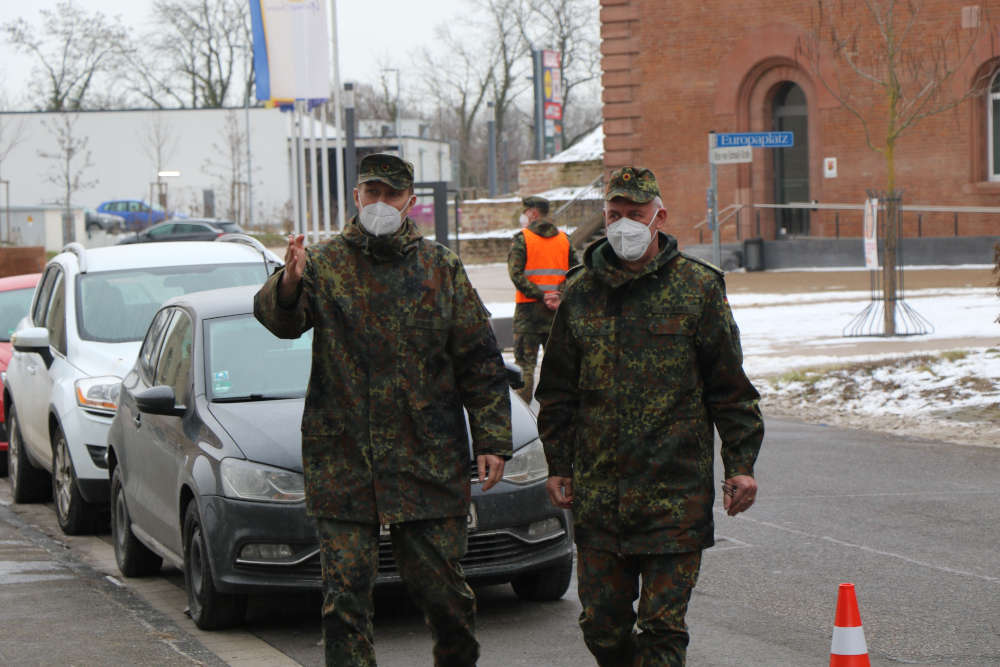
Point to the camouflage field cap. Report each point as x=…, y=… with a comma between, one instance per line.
x=394, y=171
x=636, y=184
x=535, y=201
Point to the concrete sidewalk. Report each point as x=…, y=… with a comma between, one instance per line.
x=64, y=602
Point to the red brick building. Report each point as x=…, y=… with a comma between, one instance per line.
x=675, y=70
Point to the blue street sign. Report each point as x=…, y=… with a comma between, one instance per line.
x=755, y=139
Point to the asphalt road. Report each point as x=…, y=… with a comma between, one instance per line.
x=913, y=524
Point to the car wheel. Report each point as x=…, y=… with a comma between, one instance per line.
x=134, y=558
x=75, y=515
x=28, y=484
x=544, y=585
x=209, y=609
x=3, y=465
x=92, y=229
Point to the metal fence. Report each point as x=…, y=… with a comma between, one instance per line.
x=845, y=220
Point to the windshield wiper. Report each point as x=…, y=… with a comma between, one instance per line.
x=248, y=398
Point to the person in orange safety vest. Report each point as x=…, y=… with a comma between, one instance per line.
x=539, y=258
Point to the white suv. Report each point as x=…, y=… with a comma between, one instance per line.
x=88, y=316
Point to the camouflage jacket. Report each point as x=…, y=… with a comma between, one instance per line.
x=638, y=369
x=531, y=317
x=401, y=342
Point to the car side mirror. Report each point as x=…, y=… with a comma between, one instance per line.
x=33, y=340
x=514, y=377
x=159, y=400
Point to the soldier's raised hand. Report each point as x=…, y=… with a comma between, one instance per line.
x=295, y=264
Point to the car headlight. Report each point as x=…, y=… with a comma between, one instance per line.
x=527, y=465
x=252, y=481
x=99, y=394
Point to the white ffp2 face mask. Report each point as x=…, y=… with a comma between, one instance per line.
x=523, y=220
x=380, y=219
x=630, y=238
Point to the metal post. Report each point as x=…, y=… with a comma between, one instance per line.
x=350, y=175
x=338, y=132
x=6, y=188
x=300, y=161
x=836, y=223
x=536, y=61
x=956, y=224
x=293, y=196
x=920, y=224
x=246, y=113
x=324, y=173
x=491, y=165
x=713, y=204
x=313, y=176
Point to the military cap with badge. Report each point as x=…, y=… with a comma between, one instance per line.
x=394, y=171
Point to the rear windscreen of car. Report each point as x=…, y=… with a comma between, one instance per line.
x=14, y=305
x=246, y=361
x=117, y=306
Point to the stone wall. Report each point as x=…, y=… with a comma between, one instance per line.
x=536, y=177
x=484, y=215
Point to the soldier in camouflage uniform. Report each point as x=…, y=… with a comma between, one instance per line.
x=643, y=360
x=538, y=285
x=401, y=342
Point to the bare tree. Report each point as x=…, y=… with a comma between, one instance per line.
x=69, y=163
x=509, y=55
x=159, y=143
x=893, y=68
x=571, y=27
x=228, y=172
x=198, y=55
x=11, y=136
x=459, y=81
x=72, y=49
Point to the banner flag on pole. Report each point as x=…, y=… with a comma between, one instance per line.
x=290, y=46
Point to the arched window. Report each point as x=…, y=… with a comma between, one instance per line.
x=993, y=111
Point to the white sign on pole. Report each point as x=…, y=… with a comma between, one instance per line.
x=731, y=155
x=871, y=234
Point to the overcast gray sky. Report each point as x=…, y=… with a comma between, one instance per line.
x=365, y=28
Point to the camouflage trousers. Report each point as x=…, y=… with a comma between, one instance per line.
x=526, y=357
x=608, y=584
x=427, y=555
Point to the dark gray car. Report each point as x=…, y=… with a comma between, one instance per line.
x=206, y=470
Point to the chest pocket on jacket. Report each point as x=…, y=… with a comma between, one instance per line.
x=597, y=361
x=671, y=344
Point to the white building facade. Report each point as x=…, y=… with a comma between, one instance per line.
x=190, y=158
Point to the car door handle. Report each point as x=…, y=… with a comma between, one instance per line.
x=31, y=369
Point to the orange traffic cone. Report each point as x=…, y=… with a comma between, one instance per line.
x=848, y=648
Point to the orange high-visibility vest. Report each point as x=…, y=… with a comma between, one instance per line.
x=547, y=262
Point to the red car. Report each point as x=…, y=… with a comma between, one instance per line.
x=15, y=299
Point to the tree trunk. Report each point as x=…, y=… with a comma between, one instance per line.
x=892, y=206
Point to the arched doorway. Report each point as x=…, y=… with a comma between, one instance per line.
x=791, y=165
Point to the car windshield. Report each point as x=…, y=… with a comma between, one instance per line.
x=117, y=306
x=14, y=305
x=246, y=362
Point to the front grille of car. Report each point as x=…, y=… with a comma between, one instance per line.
x=485, y=549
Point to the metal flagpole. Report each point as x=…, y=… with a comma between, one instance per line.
x=313, y=176
x=324, y=173
x=337, y=125
x=292, y=169
x=300, y=161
